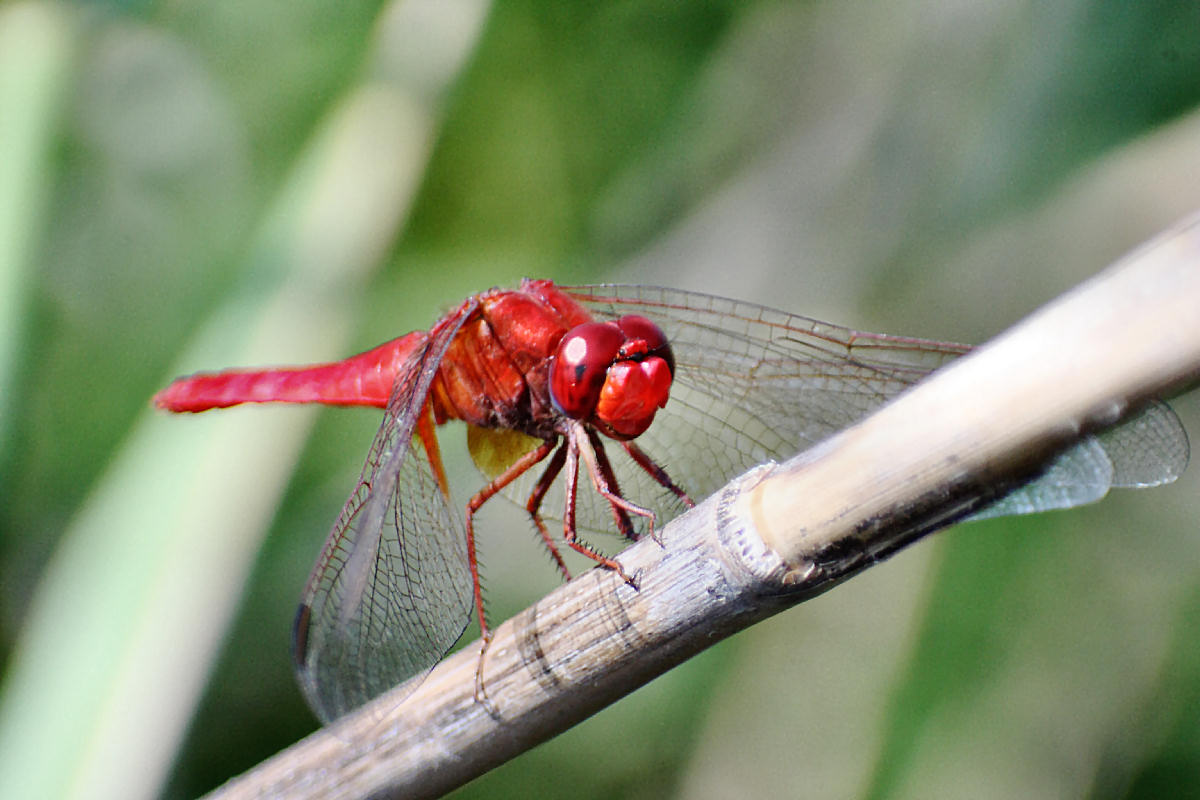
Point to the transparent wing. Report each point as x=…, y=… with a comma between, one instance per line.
x=391, y=591
x=753, y=383
x=1148, y=449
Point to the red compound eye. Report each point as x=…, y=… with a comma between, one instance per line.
x=632, y=393
x=581, y=363
x=638, y=328
x=614, y=375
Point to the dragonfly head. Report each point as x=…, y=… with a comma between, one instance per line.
x=614, y=375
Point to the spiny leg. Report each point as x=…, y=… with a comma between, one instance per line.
x=606, y=485
x=569, y=535
x=534, y=504
x=428, y=435
x=514, y=471
x=660, y=476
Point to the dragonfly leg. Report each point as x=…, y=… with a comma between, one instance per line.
x=518, y=468
x=515, y=470
x=481, y=697
x=534, y=504
x=597, y=462
x=428, y=435
x=569, y=534
x=660, y=476
x=605, y=482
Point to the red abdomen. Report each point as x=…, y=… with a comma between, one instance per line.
x=495, y=373
x=365, y=379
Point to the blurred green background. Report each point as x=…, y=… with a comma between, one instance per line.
x=194, y=185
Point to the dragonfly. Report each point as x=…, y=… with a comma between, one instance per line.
x=608, y=407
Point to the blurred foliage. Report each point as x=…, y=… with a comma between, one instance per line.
x=930, y=168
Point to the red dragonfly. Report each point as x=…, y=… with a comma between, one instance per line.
x=687, y=389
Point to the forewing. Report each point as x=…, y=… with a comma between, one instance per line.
x=391, y=592
x=753, y=383
x=1148, y=449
